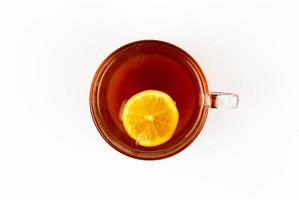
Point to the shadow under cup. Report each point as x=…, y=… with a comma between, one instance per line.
x=149, y=65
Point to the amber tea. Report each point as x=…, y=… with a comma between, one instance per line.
x=151, y=66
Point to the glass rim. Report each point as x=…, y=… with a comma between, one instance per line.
x=157, y=154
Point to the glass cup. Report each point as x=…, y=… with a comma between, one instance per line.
x=112, y=130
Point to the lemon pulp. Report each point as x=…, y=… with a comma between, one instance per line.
x=150, y=117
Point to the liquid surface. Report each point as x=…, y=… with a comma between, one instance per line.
x=149, y=69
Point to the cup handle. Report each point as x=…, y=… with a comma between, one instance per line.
x=224, y=100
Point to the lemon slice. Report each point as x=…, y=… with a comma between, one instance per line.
x=150, y=117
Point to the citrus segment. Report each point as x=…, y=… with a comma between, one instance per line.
x=150, y=118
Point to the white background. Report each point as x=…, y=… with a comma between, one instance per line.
x=50, y=148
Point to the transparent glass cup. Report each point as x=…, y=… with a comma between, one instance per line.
x=112, y=131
